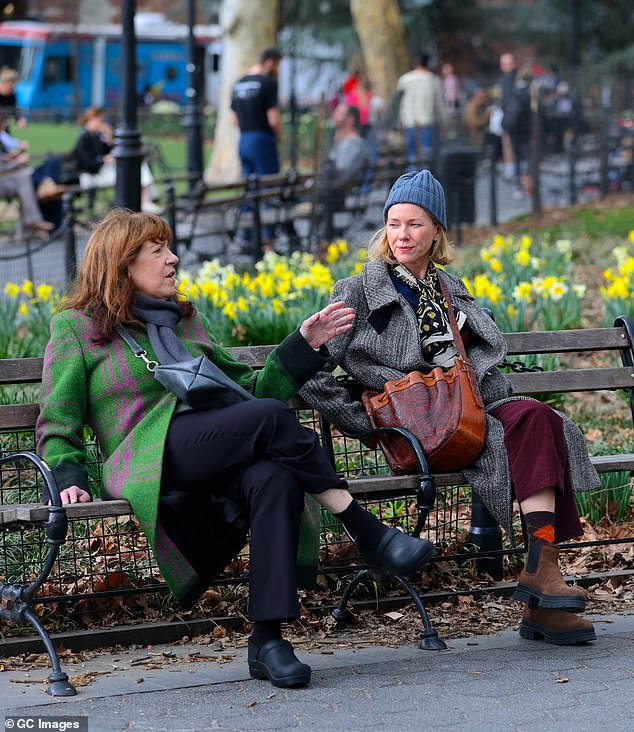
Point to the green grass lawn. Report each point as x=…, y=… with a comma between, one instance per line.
x=50, y=137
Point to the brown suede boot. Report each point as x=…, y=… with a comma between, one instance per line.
x=546, y=587
x=555, y=626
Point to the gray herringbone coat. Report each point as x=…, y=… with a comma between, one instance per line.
x=384, y=344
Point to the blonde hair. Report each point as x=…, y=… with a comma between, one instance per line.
x=441, y=253
x=103, y=288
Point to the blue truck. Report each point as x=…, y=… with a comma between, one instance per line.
x=64, y=68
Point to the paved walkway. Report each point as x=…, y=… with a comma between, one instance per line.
x=493, y=683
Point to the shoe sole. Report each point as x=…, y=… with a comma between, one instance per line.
x=556, y=602
x=531, y=631
x=258, y=671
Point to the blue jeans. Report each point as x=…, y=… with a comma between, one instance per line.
x=419, y=141
x=258, y=155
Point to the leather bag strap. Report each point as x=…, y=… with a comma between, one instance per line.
x=135, y=347
x=457, y=338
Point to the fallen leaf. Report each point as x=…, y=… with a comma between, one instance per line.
x=394, y=615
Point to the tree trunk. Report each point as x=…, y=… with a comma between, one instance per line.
x=247, y=29
x=378, y=25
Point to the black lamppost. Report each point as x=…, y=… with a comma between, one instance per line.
x=575, y=29
x=127, y=138
x=192, y=120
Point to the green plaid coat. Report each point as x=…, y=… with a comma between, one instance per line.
x=106, y=387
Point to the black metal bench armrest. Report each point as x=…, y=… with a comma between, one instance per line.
x=426, y=489
x=56, y=524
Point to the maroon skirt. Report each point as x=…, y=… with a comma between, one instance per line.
x=536, y=447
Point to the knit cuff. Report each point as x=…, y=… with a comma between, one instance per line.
x=67, y=474
x=298, y=359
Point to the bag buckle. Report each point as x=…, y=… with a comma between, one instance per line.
x=149, y=365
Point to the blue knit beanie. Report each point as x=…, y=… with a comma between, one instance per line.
x=419, y=187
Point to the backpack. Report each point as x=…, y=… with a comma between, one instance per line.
x=517, y=110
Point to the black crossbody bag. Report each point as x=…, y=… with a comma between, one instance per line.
x=197, y=382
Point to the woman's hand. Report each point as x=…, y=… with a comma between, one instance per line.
x=74, y=494
x=333, y=320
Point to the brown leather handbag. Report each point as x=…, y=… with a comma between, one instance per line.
x=443, y=409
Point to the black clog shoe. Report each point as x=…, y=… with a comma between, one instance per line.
x=399, y=553
x=276, y=661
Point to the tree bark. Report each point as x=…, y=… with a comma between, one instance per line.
x=247, y=29
x=378, y=25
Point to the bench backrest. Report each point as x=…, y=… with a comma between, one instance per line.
x=575, y=344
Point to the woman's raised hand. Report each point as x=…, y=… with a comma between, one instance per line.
x=333, y=320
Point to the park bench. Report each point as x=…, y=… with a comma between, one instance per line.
x=592, y=361
x=287, y=204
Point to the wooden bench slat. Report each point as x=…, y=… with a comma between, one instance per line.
x=612, y=463
x=564, y=341
x=18, y=416
x=596, y=379
x=20, y=370
x=35, y=513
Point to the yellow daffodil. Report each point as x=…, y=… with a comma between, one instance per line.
x=496, y=265
x=557, y=291
x=332, y=254
x=12, y=290
x=522, y=291
x=618, y=289
x=44, y=292
x=23, y=309
x=499, y=244
x=523, y=258
x=485, y=255
x=627, y=268
x=229, y=310
x=277, y=305
x=27, y=288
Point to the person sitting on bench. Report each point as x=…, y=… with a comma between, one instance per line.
x=198, y=479
x=532, y=454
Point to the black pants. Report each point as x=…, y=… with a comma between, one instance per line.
x=257, y=454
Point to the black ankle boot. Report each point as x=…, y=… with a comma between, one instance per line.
x=276, y=661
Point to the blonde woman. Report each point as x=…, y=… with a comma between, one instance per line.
x=532, y=454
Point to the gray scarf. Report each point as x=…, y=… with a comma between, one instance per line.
x=160, y=318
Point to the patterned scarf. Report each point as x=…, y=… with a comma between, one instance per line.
x=434, y=330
